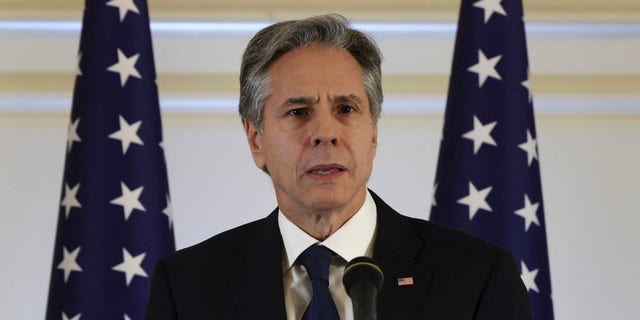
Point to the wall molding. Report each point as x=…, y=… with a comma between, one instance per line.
x=576, y=67
x=404, y=10
x=395, y=104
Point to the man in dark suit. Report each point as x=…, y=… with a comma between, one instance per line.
x=310, y=99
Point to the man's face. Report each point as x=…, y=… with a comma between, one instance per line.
x=318, y=141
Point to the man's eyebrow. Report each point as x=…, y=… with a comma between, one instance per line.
x=306, y=101
x=309, y=101
x=346, y=98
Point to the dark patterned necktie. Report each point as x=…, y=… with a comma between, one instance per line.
x=316, y=261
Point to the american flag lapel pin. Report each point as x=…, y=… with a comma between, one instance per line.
x=406, y=281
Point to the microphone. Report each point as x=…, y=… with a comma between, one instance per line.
x=362, y=280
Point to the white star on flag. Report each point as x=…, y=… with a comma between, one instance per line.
x=124, y=6
x=529, y=277
x=485, y=68
x=69, y=263
x=131, y=266
x=530, y=147
x=126, y=317
x=489, y=7
x=529, y=213
x=126, y=67
x=70, y=199
x=127, y=134
x=480, y=134
x=72, y=134
x=76, y=317
x=476, y=200
x=129, y=200
x=168, y=211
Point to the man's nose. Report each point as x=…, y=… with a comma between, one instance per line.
x=324, y=129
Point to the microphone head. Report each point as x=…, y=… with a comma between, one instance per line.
x=362, y=270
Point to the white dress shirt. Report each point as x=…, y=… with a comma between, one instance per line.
x=353, y=239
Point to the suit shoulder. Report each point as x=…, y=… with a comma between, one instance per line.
x=227, y=243
x=445, y=244
x=454, y=244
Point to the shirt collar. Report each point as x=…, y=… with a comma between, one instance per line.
x=353, y=239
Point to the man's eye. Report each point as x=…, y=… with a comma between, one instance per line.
x=298, y=112
x=345, y=109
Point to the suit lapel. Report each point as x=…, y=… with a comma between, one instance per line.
x=400, y=253
x=259, y=288
x=257, y=285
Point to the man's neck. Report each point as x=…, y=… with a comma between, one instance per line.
x=320, y=224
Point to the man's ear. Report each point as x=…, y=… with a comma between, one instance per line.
x=254, y=138
x=374, y=140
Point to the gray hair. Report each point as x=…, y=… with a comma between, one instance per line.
x=274, y=41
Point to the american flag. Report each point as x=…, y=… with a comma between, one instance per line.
x=115, y=218
x=488, y=177
x=408, y=281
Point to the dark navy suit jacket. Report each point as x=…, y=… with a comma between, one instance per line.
x=238, y=275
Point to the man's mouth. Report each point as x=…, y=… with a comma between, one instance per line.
x=326, y=171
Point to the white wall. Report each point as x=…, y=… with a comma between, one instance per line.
x=590, y=178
